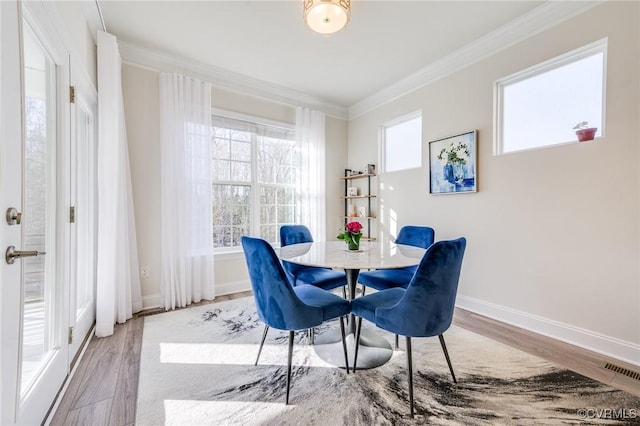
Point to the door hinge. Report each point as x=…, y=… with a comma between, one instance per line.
x=72, y=214
x=70, y=335
x=72, y=94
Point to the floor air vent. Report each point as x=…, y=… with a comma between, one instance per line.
x=624, y=371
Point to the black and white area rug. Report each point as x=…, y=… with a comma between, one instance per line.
x=197, y=368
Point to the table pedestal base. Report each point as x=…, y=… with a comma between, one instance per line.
x=374, y=350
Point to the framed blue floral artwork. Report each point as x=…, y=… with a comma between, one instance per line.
x=452, y=164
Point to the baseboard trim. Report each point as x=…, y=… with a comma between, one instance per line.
x=596, y=342
x=232, y=287
x=152, y=301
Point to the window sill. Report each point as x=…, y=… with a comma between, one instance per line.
x=235, y=253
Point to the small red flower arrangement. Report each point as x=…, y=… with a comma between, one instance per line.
x=351, y=235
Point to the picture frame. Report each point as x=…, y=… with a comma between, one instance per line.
x=362, y=211
x=352, y=191
x=453, y=164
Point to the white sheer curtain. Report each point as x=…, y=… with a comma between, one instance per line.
x=186, y=191
x=118, y=285
x=310, y=135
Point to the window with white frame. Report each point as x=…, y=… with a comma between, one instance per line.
x=540, y=106
x=402, y=143
x=255, y=179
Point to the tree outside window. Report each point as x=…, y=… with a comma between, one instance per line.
x=255, y=180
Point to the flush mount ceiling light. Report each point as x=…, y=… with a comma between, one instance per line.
x=327, y=16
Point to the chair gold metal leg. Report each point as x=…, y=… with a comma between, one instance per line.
x=446, y=355
x=410, y=373
x=355, y=355
x=344, y=345
x=289, y=366
x=264, y=336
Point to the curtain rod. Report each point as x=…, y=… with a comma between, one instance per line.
x=104, y=27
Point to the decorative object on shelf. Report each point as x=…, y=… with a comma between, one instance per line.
x=351, y=235
x=370, y=169
x=452, y=164
x=362, y=211
x=352, y=191
x=327, y=16
x=584, y=132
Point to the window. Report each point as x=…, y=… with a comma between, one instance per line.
x=539, y=107
x=255, y=179
x=402, y=143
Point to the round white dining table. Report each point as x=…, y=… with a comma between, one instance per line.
x=374, y=350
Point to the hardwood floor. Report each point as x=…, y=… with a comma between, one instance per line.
x=104, y=388
x=580, y=360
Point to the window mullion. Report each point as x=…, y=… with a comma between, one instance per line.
x=255, y=188
x=266, y=185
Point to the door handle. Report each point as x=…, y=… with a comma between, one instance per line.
x=12, y=254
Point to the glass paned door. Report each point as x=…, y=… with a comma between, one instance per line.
x=83, y=229
x=84, y=213
x=34, y=189
x=39, y=210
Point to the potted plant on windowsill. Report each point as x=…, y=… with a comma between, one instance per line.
x=584, y=132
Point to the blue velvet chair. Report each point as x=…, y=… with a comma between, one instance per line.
x=381, y=279
x=424, y=308
x=284, y=307
x=324, y=278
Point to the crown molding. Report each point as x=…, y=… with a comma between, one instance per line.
x=225, y=79
x=543, y=17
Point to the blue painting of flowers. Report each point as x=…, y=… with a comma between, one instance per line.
x=452, y=164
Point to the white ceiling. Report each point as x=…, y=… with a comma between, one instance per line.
x=267, y=40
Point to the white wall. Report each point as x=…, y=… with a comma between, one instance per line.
x=141, y=105
x=336, y=163
x=140, y=88
x=553, y=234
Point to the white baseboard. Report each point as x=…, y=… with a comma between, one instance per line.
x=155, y=300
x=596, y=342
x=151, y=301
x=232, y=287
